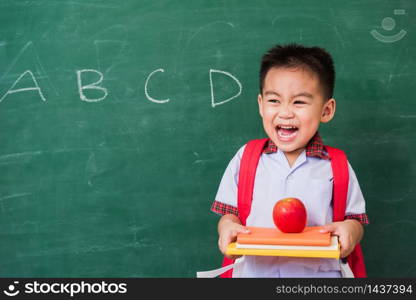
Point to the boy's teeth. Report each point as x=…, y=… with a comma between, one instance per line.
x=286, y=133
x=287, y=127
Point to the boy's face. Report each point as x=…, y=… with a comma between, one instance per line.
x=292, y=106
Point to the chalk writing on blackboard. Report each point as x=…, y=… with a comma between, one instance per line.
x=98, y=86
x=36, y=87
x=147, y=92
x=91, y=86
x=240, y=87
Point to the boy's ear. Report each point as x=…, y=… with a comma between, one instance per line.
x=328, y=111
x=260, y=101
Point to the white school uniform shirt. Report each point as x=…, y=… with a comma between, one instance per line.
x=309, y=179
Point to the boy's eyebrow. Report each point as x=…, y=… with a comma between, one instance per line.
x=271, y=93
x=303, y=94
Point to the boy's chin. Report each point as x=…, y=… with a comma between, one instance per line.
x=288, y=148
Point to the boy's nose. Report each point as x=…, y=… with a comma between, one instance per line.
x=285, y=112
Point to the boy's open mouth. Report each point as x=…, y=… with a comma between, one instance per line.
x=286, y=132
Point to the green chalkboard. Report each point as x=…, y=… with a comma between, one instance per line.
x=118, y=118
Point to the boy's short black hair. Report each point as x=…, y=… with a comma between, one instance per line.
x=315, y=59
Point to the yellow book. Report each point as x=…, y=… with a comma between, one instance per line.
x=331, y=251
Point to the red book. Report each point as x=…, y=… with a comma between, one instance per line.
x=310, y=236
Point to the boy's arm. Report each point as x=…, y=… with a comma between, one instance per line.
x=225, y=204
x=350, y=233
x=355, y=207
x=228, y=227
x=351, y=230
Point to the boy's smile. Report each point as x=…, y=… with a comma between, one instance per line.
x=292, y=105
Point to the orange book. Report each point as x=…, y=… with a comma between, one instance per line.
x=310, y=236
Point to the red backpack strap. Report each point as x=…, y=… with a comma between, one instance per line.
x=340, y=174
x=339, y=164
x=246, y=176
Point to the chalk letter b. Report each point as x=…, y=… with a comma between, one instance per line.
x=91, y=86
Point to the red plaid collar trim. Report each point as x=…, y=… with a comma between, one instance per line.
x=315, y=147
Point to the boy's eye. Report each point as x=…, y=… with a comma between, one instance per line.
x=300, y=102
x=273, y=100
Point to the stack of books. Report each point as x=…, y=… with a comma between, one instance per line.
x=272, y=242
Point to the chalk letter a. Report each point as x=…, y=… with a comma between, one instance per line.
x=213, y=103
x=33, y=88
x=91, y=86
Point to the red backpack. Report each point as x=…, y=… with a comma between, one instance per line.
x=248, y=166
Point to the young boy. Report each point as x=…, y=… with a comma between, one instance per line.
x=296, y=89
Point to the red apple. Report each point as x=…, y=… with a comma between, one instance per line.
x=289, y=215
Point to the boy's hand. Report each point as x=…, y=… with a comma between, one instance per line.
x=349, y=232
x=228, y=228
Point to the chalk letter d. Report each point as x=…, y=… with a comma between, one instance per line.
x=213, y=103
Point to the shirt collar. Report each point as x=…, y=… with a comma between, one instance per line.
x=315, y=147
